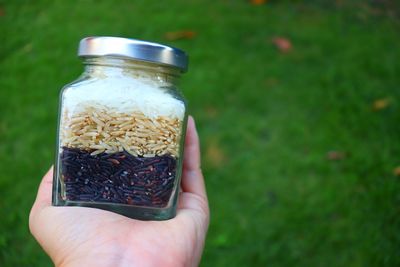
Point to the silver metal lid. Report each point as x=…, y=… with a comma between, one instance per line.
x=134, y=49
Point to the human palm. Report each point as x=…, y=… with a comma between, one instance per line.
x=77, y=236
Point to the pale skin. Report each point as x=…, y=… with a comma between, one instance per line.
x=77, y=236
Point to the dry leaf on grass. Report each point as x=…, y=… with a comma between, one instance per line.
x=27, y=48
x=257, y=2
x=177, y=35
x=211, y=112
x=380, y=104
x=335, y=155
x=396, y=171
x=214, y=154
x=271, y=81
x=339, y=3
x=284, y=45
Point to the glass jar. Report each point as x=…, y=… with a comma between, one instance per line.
x=121, y=130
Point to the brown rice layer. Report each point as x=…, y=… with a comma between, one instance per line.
x=105, y=130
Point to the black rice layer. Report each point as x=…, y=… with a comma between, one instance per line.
x=117, y=178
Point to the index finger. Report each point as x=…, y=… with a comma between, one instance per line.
x=192, y=177
x=43, y=197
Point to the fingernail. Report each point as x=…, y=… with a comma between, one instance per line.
x=192, y=121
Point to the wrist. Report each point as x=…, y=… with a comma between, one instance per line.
x=112, y=258
x=122, y=259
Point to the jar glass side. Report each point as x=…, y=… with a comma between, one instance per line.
x=120, y=145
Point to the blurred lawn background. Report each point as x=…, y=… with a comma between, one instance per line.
x=297, y=105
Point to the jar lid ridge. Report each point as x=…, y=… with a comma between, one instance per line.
x=133, y=49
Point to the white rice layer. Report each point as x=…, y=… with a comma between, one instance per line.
x=125, y=95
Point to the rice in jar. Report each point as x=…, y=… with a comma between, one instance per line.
x=121, y=129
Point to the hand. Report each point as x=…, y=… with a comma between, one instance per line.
x=77, y=236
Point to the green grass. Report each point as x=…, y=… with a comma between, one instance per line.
x=266, y=120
